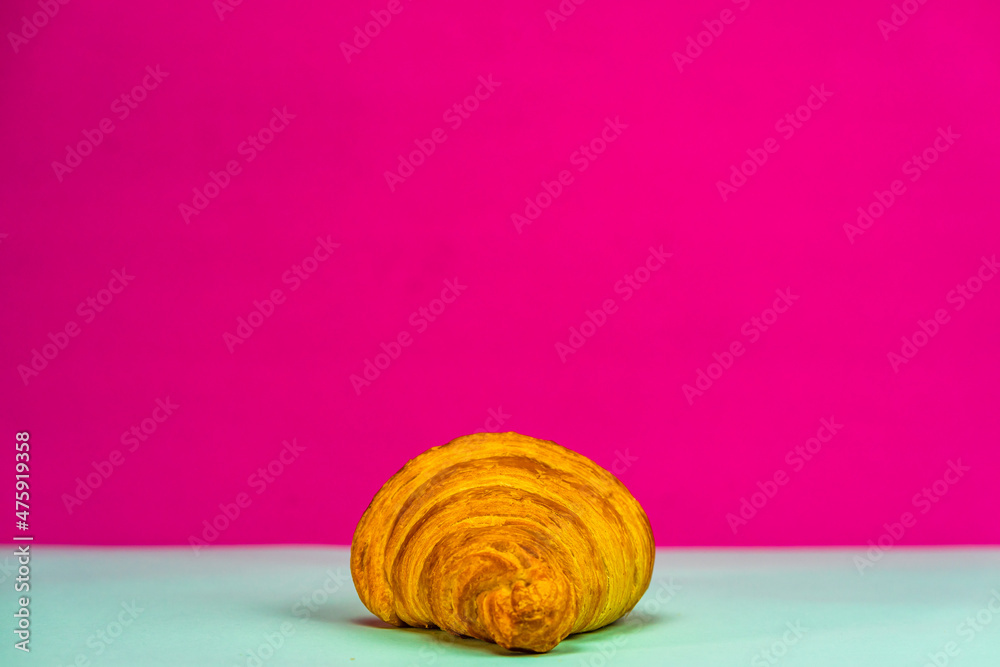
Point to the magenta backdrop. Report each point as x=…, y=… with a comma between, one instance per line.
x=187, y=165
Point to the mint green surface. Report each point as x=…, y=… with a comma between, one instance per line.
x=704, y=608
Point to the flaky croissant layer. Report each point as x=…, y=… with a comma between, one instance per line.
x=503, y=537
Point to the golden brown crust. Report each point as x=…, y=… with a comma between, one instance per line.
x=503, y=537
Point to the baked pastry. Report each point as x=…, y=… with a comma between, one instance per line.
x=505, y=538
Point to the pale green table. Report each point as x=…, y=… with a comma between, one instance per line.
x=704, y=608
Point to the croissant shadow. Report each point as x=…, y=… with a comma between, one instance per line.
x=372, y=622
x=624, y=627
x=433, y=639
x=439, y=641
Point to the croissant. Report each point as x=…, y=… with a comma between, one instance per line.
x=505, y=538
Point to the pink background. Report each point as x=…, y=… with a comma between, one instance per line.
x=620, y=396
